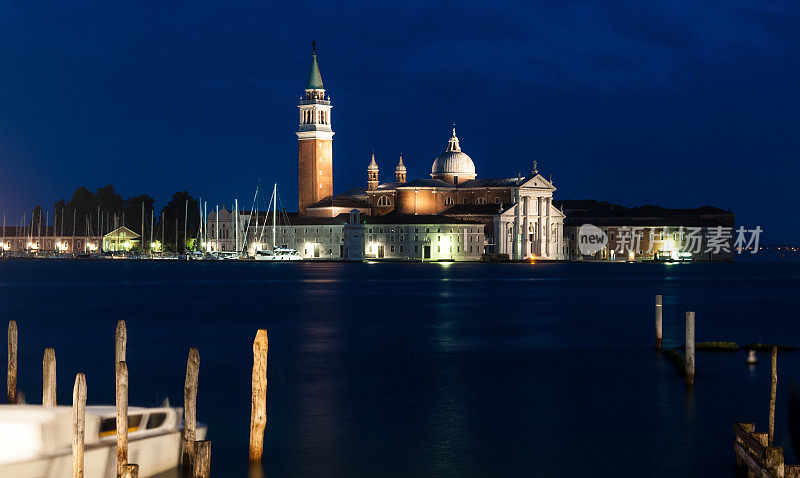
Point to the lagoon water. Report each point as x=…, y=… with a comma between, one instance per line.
x=426, y=369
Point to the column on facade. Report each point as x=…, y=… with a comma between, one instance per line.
x=517, y=225
x=526, y=249
x=547, y=237
x=498, y=234
x=539, y=227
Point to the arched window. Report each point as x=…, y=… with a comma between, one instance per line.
x=480, y=201
x=448, y=201
x=384, y=201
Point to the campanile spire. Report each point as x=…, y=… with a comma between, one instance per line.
x=315, y=138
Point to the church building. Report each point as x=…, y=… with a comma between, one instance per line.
x=452, y=215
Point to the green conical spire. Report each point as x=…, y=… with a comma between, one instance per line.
x=314, y=78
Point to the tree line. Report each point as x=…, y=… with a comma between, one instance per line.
x=100, y=212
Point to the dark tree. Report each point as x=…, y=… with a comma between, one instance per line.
x=174, y=214
x=133, y=213
x=80, y=209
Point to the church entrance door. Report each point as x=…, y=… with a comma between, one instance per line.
x=426, y=252
x=380, y=252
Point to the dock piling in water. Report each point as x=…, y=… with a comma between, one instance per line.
x=78, y=424
x=122, y=416
x=773, y=393
x=689, y=349
x=120, y=342
x=659, y=321
x=49, y=378
x=190, y=408
x=202, y=459
x=11, y=382
x=258, y=413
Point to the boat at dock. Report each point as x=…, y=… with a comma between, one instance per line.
x=278, y=254
x=36, y=441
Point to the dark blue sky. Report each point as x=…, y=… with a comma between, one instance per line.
x=676, y=103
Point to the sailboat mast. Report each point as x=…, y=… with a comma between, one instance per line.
x=236, y=223
x=185, y=222
x=274, y=211
x=150, y=242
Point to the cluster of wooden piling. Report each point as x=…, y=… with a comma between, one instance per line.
x=688, y=362
x=195, y=454
x=755, y=453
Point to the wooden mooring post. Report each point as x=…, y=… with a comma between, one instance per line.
x=11, y=381
x=773, y=392
x=202, y=459
x=659, y=321
x=120, y=342
x=190, y=409
x=49, y=378
x=258, y=413
x=122, y=416
x=78, y=424
x=689, y=349
x=130, y=470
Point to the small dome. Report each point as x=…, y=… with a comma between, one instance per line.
x=453, y=162
x=401, y=168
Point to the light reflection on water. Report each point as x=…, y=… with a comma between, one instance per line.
x=425, y=369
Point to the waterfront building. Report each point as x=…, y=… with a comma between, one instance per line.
x=121, y=239
x=515, y=215
x=352, y=236
x=704, y=234
x=518, y=215
x=21, y=239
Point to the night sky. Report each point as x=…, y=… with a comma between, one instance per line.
x=675, y=103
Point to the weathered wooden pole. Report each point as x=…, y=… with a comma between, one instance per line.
x=78, y=424
x=120, y=342
x=773, y=392
x=258, y=413
x=130, y=470
x=689, y=349
x=659, y=321
x=190, y=408
x=202, y=459
x=49, y=378
x=11, y=383
x=122, y=416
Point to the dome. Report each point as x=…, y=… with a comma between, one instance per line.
x=453, y=163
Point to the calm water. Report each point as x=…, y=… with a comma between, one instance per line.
x=426, y=369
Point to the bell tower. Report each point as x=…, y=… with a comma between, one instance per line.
x=372, y=174
x=315, y=138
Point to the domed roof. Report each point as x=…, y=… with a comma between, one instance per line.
x=401, y=168
x=453, y=161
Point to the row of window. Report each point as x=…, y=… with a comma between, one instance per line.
x=401, y=249
x=453, y=230
x=402, y=238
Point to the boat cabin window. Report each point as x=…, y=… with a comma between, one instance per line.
x=108, y=426
x=155, y=420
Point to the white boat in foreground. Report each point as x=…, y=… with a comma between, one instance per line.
x=36, y=441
